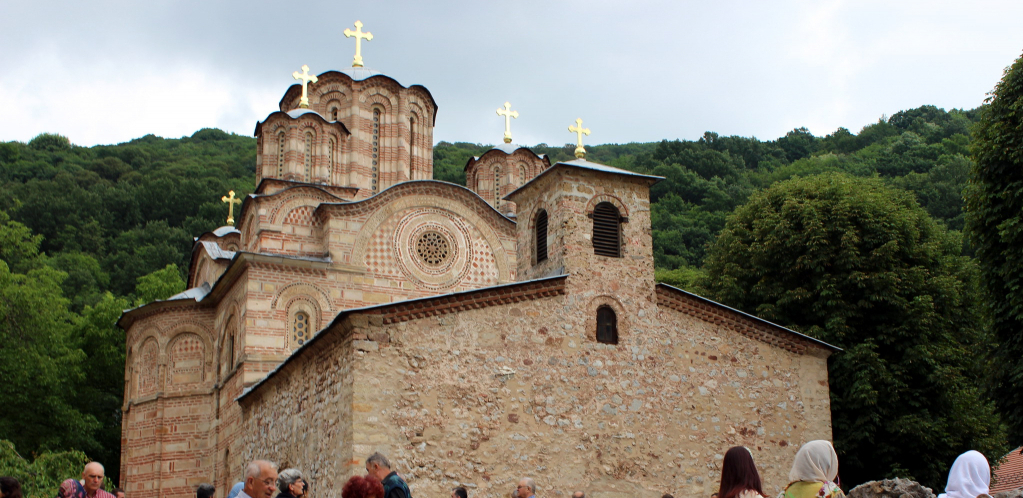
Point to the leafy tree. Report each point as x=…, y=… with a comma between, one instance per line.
x=159, y=285
x=42, y=477
x=994, y=204
x=860, y=265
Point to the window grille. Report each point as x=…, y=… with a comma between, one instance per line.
x=606, y=230
x=541, y=236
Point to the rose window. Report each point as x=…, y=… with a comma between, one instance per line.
x=433, y=248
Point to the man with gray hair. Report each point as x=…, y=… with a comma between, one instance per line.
x=579, y=494
x=526, y=489
x=91, y=485
x=205, y=490
x=260, y=477
x=291, y=484
x=379, y=468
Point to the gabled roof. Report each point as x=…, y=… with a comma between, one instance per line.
x=1008, y=475
x=584, y=164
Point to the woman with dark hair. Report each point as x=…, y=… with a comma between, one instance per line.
x=10, y=488
x=739, y=476
x=362, y=487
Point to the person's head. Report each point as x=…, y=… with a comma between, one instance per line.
x=363, y=487
x=92, y=477
x=578, y=494
x=713, y=495
x=970, y=476
x=290, y=482
x=378, y=466
x=459, y=492
x=667, y=495
x=118, y=492
x=815, y=461
x=10, y=488
x=738, y=473
x=260, y=478
x=526, y=488
x=205, y=490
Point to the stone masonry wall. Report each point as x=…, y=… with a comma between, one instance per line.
x=494, y=392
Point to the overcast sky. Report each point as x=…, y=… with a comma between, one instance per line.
x=105, y=72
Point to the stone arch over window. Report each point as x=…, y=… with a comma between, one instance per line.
x=186, y=359
x=303, y=321
x=607, y=232
x=540, y=237
x=608, y=322
x=308, y=148
x=282, y=141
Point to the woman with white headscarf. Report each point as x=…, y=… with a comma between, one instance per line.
x=814, y=472
x=969, y=477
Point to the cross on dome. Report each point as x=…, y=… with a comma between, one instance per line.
x=359, y=36
x=508, y=114
x=231, y=201
x=306, y=79
x=578, y=129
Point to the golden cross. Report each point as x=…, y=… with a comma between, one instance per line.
x=231, y=201
x=508, y=114
x=306, y=79
x=578, y=129
x=359, y=36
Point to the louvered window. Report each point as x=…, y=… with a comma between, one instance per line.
x=280, y=154
x=541, y=236
x=606, y=230
x=607, y=325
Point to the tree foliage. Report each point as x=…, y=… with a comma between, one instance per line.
x=995, y=216
x=42, y=477
x=860, y=265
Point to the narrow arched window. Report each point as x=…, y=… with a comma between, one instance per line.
x=522, y=175
x=308, y=156
x=332, y=146
x=607, y=325
x=607, y=233
x=497, y=185
x=333, y=114
x=375, y=154
x=280, y=154
x=300, y=331
x=411, y=145
x=541, y=236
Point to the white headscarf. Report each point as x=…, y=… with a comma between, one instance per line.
x=970, y=476
x=815, y=461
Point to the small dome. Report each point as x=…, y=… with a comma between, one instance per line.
x=294, y=113
x=225, y=230
x=360, y=73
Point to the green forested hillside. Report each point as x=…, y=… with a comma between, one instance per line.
x=86, y=232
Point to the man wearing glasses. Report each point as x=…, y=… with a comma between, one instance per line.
x=260, y=480
x=526, y=489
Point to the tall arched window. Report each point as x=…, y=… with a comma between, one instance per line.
x=333, y=114
x=411, y=146
x=330, y=159
x=497, y=185
x=309, y=156
x=376, y=148
x=300, y=331
x=281, y=141
x=607, y=232
x=607, y=325
x=522, y=175
x=541, y=236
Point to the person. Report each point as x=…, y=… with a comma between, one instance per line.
x=363, y=487
x=713, y=495
x=118, y=492
x=739, y=476
x=459, y=492
x=10, y=488
x=237, y=488
x=814, y=472
x=90, y=485
x=205, y=490
x=526, y=489
x=668, y=495
x=394, y=486
x=260, y=477
x=969, y=477
x=580, y=494
x=291, y=484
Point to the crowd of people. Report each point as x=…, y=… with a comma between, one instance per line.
x=814, y=474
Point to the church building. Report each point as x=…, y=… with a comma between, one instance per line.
x=475, y=335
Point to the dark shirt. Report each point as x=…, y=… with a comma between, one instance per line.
x=395, y=487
